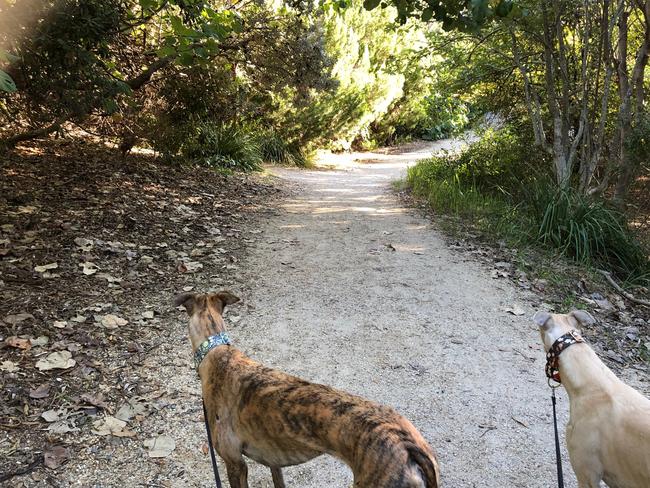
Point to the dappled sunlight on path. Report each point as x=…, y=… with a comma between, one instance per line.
x=352, y=289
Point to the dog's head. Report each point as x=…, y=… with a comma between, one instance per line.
x=552, y=326
x=205, y=311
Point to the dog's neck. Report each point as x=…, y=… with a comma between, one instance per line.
x=204, y=325
x=582, y=371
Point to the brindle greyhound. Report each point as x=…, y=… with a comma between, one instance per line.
x=280, y=420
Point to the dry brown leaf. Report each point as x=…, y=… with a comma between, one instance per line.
x=108, y=426
x=111, y=321
x=18, y=318
x=56, y=360
x=18, y=343
x=161, y=446
x=45, y=267
x=9, y=367
x=55, y=456
x=42, y=391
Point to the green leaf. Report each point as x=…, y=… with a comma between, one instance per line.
x=370, y=4
x=165, y=51
x=427, y=13
x=504, y=8
x=6, y=83
x=8, y=58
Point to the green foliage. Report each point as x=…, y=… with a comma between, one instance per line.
x=501, y=163
x=6, y=82
x=498, y=182
x=463, y=15
x=275, y=149
x=226, y=147
x=586, y=229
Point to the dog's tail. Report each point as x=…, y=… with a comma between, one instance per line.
x=426, y=464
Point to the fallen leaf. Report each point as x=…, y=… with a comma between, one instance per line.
x=56, y=360
x=26, y=209
x=53, y=415
x=79, y=319
x=55, y=456
x=161, y=446
x=108, y=426
x=42, y=391
x=124, y=433
x=109, y=278
x=39, y=341
x=113, y=321
x=9, y=366
x=18, y=318
x=192, y=266
x=130, y=409
x=60, y=324
x=62, y=427
x=84, y=244
x=148, y=314
x=45, y=267
x=89, y=268
x=515, y=310
x=97, y=400
x=18, y=343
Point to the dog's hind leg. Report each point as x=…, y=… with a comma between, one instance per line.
x=278, y=479
x=237, y=473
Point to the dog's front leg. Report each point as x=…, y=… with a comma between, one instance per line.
x=278, y=479
x=237, y=473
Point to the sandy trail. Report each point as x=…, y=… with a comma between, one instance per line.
x=351, y=289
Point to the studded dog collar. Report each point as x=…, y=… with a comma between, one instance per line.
x=553, y=355
x=206, y=346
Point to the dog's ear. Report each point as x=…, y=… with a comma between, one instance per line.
x=583, y=317
x=187, y=300
x=223, y=298
x=541, y=318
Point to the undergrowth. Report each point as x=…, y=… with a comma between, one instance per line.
x=497, y=183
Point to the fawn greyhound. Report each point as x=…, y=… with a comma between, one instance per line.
x=280, y=420
x=608, y=434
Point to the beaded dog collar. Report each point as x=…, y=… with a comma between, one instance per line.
x=206, y=346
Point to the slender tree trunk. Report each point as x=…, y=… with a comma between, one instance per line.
x=631, y=92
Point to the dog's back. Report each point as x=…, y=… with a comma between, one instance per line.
x=284, y=420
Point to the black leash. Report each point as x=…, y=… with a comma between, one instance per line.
x=214, y=459
x=558, y=454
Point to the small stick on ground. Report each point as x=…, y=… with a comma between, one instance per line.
x=617, y=287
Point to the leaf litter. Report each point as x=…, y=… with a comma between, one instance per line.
x=87, y=342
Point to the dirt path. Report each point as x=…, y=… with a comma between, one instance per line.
x=351, y=289
x=345, y=286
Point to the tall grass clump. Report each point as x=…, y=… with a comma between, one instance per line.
x=588, y=230
x=496, y=183
x=276, y=149
x=223, y=146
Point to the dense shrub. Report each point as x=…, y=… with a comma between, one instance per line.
x=498, y=183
